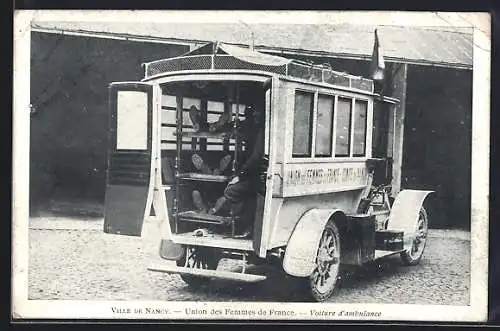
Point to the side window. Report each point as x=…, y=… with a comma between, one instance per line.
x=302, y=124
x=324, y=125
x=343, y=127
x=359, y=136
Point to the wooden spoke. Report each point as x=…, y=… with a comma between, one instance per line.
x=324, y=277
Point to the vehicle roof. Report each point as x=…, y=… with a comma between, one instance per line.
x=220, y=56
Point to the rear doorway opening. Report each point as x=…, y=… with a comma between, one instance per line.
x=210, y=135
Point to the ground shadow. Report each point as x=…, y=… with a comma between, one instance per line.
x=280, y=287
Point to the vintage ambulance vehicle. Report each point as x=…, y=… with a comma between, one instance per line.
x=325, y=199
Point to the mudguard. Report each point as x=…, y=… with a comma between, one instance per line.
x=170, y=250
x=302, y=247
x=405, y=212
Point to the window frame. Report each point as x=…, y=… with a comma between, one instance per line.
x=333, y=98
x=113, y=93
x=354, y=113
x=349, y=130
x=311, y=124
x=336, y=94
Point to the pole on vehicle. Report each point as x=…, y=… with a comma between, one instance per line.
x=235, y=127
x=179, y=110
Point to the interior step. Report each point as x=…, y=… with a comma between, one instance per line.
x=198, y=217
x=203, y=177
x=227, y=275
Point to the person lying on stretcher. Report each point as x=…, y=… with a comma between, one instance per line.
x=200, y=125
x=197, y=196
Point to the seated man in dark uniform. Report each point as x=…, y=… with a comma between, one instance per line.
x=247, y=182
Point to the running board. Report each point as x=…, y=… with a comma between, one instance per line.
x=380, y=253
x=227, y=275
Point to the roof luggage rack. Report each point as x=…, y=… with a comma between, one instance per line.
x=221, y=56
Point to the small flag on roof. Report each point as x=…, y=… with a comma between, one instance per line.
x=377, y=66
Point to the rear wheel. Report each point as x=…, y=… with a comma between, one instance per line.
x=413, y=255
x=323, y=280
x=198, y=258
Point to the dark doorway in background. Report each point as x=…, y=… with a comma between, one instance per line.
x=437, y=141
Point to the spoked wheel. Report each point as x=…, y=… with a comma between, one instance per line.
x=323, y=279
x=198, y=258
x=413, y=255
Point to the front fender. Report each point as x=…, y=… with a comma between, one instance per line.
x=405, y=212
x=302, y=247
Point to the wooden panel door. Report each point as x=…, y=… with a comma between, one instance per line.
x=129, y=157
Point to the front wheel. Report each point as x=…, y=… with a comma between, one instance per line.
x=413, y=255
x=198, y=258
x=323, y=280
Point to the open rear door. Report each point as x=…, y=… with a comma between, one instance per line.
x=129, y=157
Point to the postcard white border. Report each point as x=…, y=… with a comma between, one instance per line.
x=35, y=309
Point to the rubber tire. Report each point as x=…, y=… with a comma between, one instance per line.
x=311, y=292
x=405, y=256
x=212, y=261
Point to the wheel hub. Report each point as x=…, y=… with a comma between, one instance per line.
x=420, y=237
x=324, y=257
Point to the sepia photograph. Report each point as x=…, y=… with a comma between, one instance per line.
x=218, y=165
